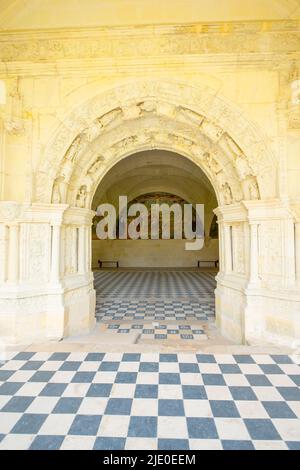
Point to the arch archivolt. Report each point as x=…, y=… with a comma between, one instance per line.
x=163, y=115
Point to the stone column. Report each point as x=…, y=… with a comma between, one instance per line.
x=297, y=250
x=3, y=253
x=13, y=253
x=82, y=250
x=89, y=255
x=55, y=253
x=221, y=247
x=227, y=249
x=88, y=236
x=253, y=275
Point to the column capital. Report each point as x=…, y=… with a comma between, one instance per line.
x=254, y=222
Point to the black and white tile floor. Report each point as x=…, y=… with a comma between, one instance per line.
x=147, y=284
x=159, y=332
x=161, y=304
x=155, y=309
x=134, y=401
x=150, y=400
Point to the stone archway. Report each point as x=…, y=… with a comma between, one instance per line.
x=144, y=115
x=151, y=115
x=171, y=116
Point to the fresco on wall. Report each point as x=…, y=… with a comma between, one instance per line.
x=149, y=199
x=214, y=228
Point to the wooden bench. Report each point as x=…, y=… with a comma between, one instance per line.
x=214, y=261
x=101, y=263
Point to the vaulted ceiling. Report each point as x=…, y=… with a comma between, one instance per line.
x=156, y=171
x=40, y=14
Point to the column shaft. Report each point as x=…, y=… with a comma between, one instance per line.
x=13, y=253
x=3, y=253
x=253, y=278
x=227, y=249
x=82, y=250
x=297, y=250
x=55, y=253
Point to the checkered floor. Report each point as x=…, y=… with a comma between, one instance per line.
x=159, y=332
x=159, y=305
x=149, y=401
x=154, y=295
x=137, y=284
x=164, y=310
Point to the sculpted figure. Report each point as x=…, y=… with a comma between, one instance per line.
x=74, y=149
x=110, y=116
x=242, y=167
x=93, y=130
x=190, y=115
x=211, y=162
x=56, y=195
x=253, y=189
x=81, y=196
x=227, y=194
x=213, y=131
x=233, y=147
x=96, y=165
x=60, y=188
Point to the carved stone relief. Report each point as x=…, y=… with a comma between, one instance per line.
x=167, y=41
x=251, y=189
x=56, y=193
x=226, y=193
x=10, y=211
x=34, y=259
x=212, y=164
x=94, y=168
x=172, y=114
x=190, y=116
x=81, y=196
x=270, y=253
x=74, y=149
x=238, y=248
x=213, y=131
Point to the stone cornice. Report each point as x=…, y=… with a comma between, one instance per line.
x=150, y=41
x=270, y=209
x=295, y=206
x=188, y=63
x=252, y=26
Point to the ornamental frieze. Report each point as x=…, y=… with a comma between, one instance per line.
x=165, y=41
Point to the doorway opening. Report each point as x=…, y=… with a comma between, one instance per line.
x=154, y=291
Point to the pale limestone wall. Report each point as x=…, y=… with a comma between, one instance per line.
x=37, y=114
x=152, y=253
x=31, y=113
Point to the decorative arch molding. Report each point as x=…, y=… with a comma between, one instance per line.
x=144, y=115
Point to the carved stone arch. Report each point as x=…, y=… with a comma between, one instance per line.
x=199, y=109
x=136, y=149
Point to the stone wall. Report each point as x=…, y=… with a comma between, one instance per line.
x=152, y=253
